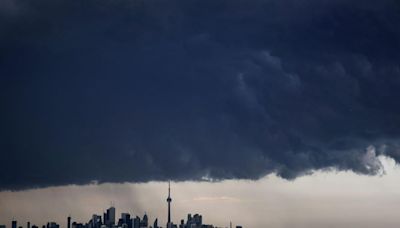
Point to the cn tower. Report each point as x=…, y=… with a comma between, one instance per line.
x=169, y=205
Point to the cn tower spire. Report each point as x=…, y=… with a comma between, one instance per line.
x=169, y=204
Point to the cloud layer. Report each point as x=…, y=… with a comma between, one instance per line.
x=115, y=91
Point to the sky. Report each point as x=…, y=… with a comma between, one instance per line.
x=104, y=94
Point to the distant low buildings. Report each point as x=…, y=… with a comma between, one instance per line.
x=52, y=225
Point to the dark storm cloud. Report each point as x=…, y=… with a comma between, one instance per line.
x=125, y=90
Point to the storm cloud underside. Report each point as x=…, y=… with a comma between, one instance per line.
x=141, y=90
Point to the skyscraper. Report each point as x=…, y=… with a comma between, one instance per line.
x=145, y=221
x=125, y=217
x=169, y=205
x=69, y=222
x=109, y=220
x=136, y=222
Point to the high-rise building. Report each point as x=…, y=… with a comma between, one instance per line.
x=125, y=217
x=198, y=219
x=136, y=222
x=182, y=224
x=69, y=222
x=144, y=222
x=125, y=220
x=169, y=224
x=95, y=222
x=109, y=219
x=195, y=221
x=155, y=224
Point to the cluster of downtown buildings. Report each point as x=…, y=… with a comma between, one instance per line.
x=126, y=221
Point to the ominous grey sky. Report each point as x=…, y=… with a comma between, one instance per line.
x=139, y=91
x=143, y=90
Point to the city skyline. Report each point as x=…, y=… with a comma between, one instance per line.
x=125, y=221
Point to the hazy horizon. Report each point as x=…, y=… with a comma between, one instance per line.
x=323, y=199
